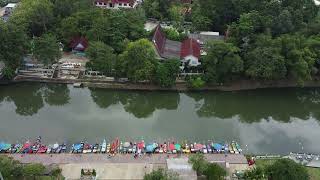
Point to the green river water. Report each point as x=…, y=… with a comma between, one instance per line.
x=262, y=121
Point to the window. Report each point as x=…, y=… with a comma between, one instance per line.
x=120, y=4
x=124, y=4
x=110, y=4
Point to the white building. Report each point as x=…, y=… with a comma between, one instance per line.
x=116, y=4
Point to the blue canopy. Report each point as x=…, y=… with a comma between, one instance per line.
x=150, y=148
x=77, y=147
x=4, y=146
x=217, y=146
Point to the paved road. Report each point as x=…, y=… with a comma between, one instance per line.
x=48, y=159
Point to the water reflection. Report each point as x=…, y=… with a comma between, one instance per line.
x=140, y=104
x=29, y=98
x=250, y=106
x=253, y=106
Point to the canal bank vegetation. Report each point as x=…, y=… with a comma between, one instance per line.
x=280, y=168
x=11, y=169
x=264, y=40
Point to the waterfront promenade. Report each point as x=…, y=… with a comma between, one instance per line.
x=48, y=159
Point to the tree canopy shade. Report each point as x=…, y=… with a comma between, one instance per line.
x=160, y=174
x=34, y=16
x=286, y=169
x=46, y=49
x=13, y=46
x=138, y=61
x=101, y=57
x=166, y=73
x=198, y=162
x=214, y=172
x=299, y=58
x=221, y=62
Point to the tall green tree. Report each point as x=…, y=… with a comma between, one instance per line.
x=116, y=26
x=166, y=73
x=13, y=46
x=138, y=61
x=215, y=172
x=199, y=163
x=101, y=57
x=160, y=174
x=299, y=58
x=34, y=16
x=265, y=63
x=222, y=62
x=46, y=49
x=285, y=169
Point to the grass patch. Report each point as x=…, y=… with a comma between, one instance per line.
x=313, y=172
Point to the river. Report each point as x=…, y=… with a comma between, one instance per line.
x=273, y=121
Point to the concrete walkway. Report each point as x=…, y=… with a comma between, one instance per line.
x=48, y=159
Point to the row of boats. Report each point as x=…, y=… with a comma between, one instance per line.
x=117, y=146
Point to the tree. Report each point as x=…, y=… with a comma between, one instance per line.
x=265, y=63
x=138, y=61
x=13, y=45
x=199, y=163
x=300, y=59
x=221, y=62
x=46, y=49
x=33, y=170
x=286, y=169
x=166, y=73
x=78, y=24
x=254, y=174
x=214, y=172
x=34, y=16
x=160, y=174
x=117, y=26
x=158, y=9
x=101, y=57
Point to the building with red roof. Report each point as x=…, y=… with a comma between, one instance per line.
x=116, y=4
x=166, y=49
x=190, y=52
x=78, y=44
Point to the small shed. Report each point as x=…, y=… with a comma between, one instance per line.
x=78, y=44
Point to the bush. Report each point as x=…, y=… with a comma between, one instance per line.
x=195, y=82
x=174, y=35
x=160, y=174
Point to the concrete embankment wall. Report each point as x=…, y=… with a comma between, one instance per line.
x=180, y=86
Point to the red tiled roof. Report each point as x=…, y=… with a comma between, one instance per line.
x=78, y=40
x=190, y=47
x=159, y=40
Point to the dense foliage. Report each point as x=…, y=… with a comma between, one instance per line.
x=281, y=169
x=264, y=40
x=211, y=171
x=167, y=72
x=102, y=57
x=160, y=174
x=11, y=169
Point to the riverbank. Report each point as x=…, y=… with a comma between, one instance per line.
x=48, y=159
x=181, y=86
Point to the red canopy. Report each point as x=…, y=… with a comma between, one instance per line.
x=172, y=147
x=140, y=145
x=198, y=146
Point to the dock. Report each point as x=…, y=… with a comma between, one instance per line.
x=78, y=85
